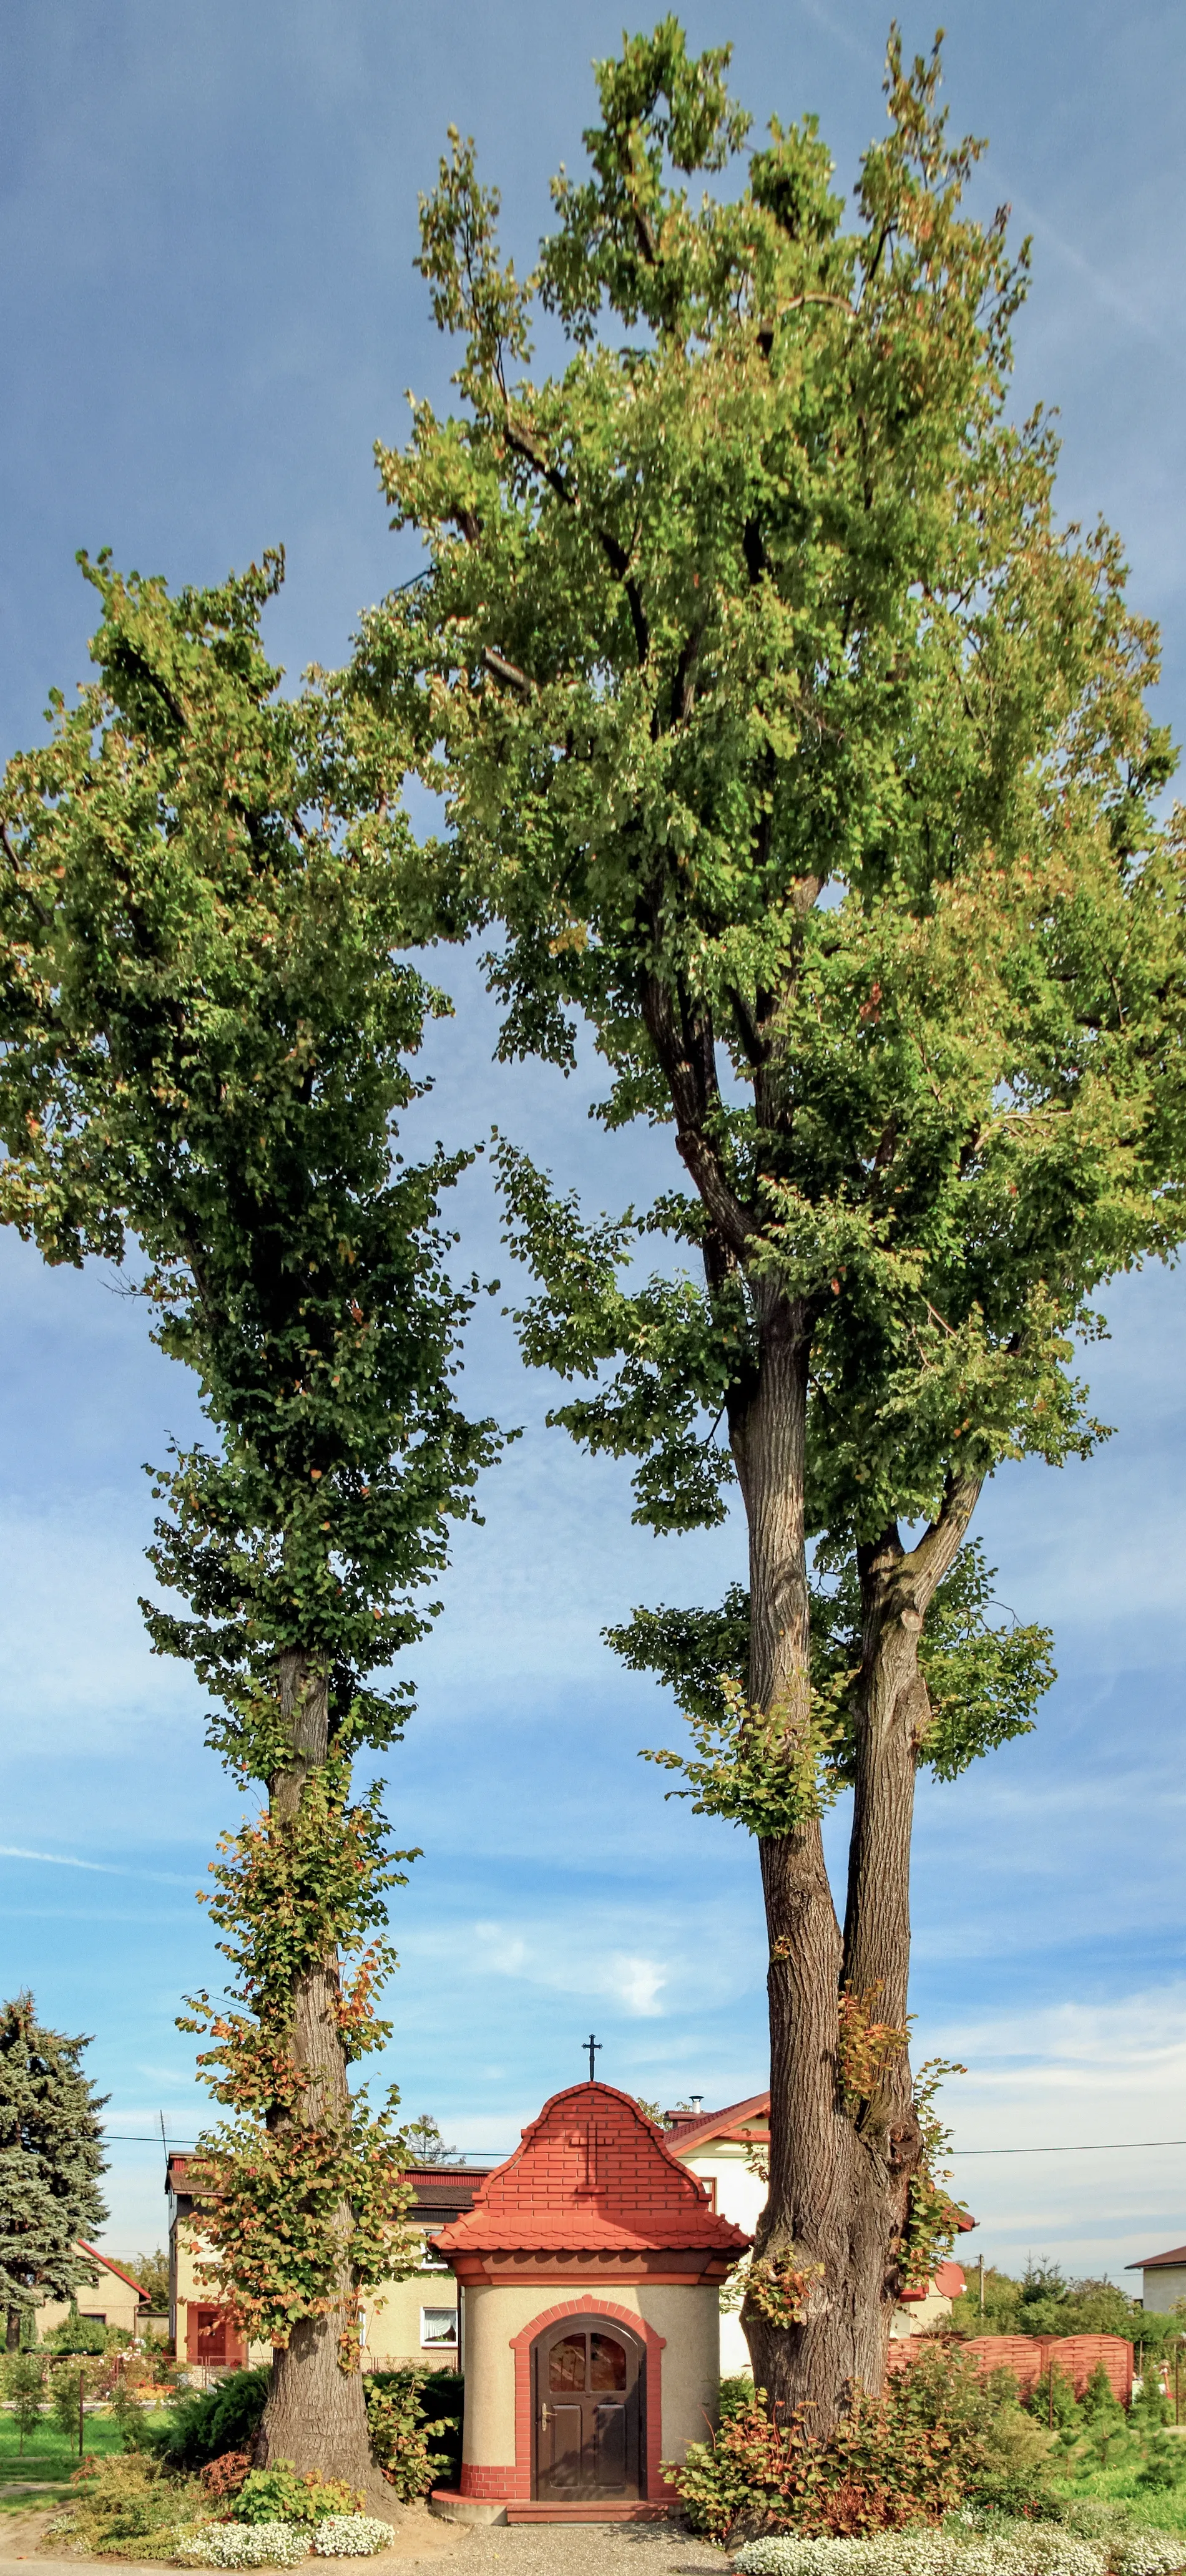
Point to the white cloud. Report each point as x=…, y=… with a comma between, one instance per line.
x=1068, y=2079
x=630, y=1978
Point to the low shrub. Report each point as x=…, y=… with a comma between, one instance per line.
x=351, y=2535
x=226, y=2475
x=757, y=2475
x=225, y=2418
x=246, y=2544
x=938, y=2438
x=283, y=2493
x=126, y=2507
x=404, y=2428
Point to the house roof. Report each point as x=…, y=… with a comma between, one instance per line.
x=1153, y=2262
x=750, y=2118
x=97, y=2256
x=592, y=2174
x=439, y=2192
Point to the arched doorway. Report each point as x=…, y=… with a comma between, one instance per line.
x=588, y=2403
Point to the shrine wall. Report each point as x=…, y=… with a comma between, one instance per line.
x=686, y=2315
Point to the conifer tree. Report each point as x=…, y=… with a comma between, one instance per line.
x=51, y=2157
x=209, y=1039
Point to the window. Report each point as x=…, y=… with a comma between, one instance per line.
x=438, y=2326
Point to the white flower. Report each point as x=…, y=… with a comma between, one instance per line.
x=1011, y=2549
x=246, y=2544
x=353, y=2535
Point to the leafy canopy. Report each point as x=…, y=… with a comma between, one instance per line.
x=790, y=744
x=208, y=1038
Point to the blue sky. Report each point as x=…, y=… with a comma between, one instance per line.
x=209, y=313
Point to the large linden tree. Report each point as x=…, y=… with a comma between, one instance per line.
x=793, y=748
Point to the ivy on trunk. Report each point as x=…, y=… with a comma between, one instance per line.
x=208, y=1037
x=792, y=748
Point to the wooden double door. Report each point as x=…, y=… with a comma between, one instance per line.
x=590, y=2391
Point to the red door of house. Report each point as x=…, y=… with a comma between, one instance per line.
x=589, y=2387
x=213, y=2340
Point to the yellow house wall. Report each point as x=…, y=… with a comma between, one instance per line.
x=392, y=2310
x=687, y=2318
x=191, y=2249
x=393, y=2322
x=109, y=2297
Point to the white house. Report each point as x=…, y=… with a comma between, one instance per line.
x=728, y=2149
x=1163, y=2280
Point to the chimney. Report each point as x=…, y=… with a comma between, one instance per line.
x=696, y=2103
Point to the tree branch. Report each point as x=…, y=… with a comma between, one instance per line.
x=691, y=1087
x=939, y=1545
x=614, y=552
x=501, y=669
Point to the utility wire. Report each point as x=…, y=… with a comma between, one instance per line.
x=1093, y=2147
x=1104, y=2147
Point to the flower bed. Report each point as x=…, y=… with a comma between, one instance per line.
x=284, y=2544
x=1011, y=2549
x=246, y=2544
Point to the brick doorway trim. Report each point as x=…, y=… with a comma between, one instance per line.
x=656, y=2489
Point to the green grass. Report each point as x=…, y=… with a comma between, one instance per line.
x=1157, y=2509
x=46, y=2455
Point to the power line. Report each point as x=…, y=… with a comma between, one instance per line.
x=1079, y=2147
x=125, y=2138
x=1102, y=2147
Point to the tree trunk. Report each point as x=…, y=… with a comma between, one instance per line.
x=840, y=2172
x=316, y=2414
x=12, y=2331
x=805, y=2218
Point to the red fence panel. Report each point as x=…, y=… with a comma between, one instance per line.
x=1024, y=2355
x=1077, y=2356
x=1030, y=2356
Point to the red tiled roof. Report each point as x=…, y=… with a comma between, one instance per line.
x=592, y=2174
x=97, y=2256
x=718, y=2124
x=1153, y=2262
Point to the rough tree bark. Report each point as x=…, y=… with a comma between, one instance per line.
x=805, y=2213
x=838, y=2195
x=315, y=2414
x=12, y=2330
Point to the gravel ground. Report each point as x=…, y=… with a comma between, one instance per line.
x=585, y=2549
x=456, y=2549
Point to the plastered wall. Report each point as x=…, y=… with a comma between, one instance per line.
x=687, y=2318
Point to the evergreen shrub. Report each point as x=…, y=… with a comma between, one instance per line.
x=225, y=2418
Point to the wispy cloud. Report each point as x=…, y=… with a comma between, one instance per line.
x=628, y=1978
x=101, y=1868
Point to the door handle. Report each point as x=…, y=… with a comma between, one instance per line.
x=543, y=2415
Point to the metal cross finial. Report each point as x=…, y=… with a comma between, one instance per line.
x=594, y=2048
